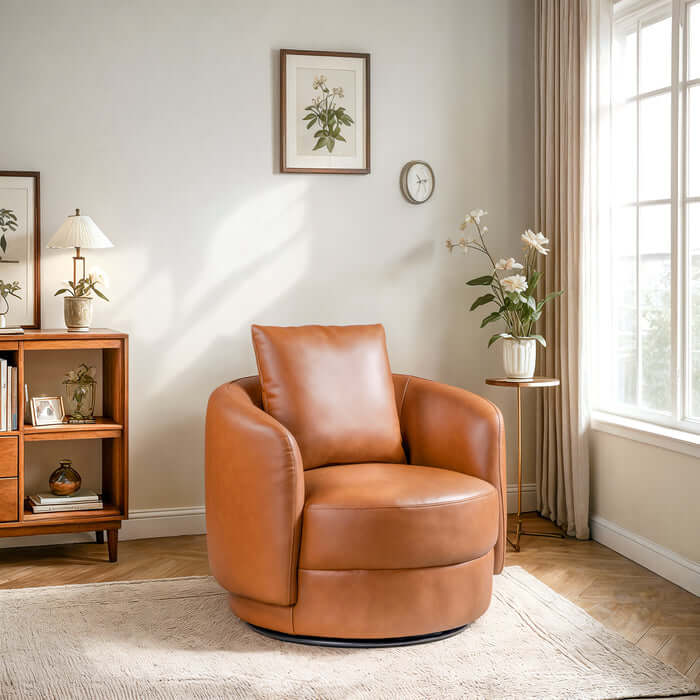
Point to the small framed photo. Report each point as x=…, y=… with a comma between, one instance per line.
x=324, y=112
x=47, y=410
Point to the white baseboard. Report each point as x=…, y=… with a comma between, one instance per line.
x=142, y=524
x=529, y=498
x=652, y=556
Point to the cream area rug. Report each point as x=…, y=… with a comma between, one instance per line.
x=177, y=638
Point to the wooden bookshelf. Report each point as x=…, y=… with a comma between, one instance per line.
x=16, y=517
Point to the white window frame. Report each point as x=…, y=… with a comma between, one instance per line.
x=634, y=420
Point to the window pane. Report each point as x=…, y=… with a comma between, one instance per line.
x=694, y=141
x=694, y=41
x=655, y=147
x=655, y=56
x=625, y=153
x=694, y=299
x=624, y=302
x=655, y=306
x=625, y=66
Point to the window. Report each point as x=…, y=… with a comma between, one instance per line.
x=649, y=283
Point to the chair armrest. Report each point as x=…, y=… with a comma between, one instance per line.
x=254, y=484
x=444, y=426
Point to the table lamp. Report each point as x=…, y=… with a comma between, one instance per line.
x=79, y=231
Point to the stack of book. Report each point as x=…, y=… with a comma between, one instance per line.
x=83, y=499
x=8, y=397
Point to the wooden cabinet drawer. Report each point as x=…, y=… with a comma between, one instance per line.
x=8, y=456
x=8, y=500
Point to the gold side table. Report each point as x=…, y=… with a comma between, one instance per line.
x=518, y=384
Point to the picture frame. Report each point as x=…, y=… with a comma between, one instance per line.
x=324, y=112
x=47, y=410
x=20, y=244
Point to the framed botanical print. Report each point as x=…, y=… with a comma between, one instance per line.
x=20, y=233
x=324, y=112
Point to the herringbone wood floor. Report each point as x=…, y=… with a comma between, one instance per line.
x=654, y=614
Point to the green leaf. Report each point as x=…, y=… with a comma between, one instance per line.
x=549, y=297
x=99, y=293
x=493, y=316
x=331, y=144
x=485, y=299
x=309, y=116
x=340, y=138
x=323, y=141
x=3, y=243
x=531, y=303
x=540, y=340
x=496, y=337
x=61, y=291
x=484, y=281
x=311, y=123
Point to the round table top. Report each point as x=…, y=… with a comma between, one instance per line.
x=524, y=383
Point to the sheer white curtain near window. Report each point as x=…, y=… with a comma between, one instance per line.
x=651, y=324
x=570, y=59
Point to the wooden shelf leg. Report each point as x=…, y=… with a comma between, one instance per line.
x=100, y=536
x=112, y=540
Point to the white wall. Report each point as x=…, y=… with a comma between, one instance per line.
x=159, y=118
x=649, y=492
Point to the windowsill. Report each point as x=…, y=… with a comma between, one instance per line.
x=648, y=433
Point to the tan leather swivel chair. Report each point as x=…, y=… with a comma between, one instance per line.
x=386, y=552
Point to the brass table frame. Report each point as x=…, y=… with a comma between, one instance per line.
x=518, y=384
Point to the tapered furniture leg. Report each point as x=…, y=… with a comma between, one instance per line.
x=100, y=536
x=112, y=540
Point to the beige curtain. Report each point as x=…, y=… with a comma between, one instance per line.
x=561, y=37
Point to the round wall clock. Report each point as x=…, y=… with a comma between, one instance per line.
x=417, y=181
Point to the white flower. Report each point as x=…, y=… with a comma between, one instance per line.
x=319, y=81
x=535, y=240
x=508, y=264
x=338, y=91
x=72, y=376
x=316, y=101
x=514, y=283
x=99, y=276
x=476, y=214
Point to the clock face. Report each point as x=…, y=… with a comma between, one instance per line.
x=417, y=181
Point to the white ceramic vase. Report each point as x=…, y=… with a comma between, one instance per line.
x=519, y=355
x=77, y=313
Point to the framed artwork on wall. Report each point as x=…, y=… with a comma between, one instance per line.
x=20, y=233
x=324, y=112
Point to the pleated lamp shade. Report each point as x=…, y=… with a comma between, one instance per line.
x=79, y=232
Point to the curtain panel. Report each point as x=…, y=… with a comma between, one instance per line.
x=566, y=145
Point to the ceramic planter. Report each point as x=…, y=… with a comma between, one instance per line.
x=77, y=313
x=519, y=355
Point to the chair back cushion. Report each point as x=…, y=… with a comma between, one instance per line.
x=331, y=386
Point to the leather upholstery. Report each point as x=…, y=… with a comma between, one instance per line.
x=395, y=516
x=331, y=386
x=363, y=548
x=444, y=426
x=379, y=604
x=254, y=498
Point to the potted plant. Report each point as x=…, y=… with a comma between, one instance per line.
x=80, y=391
x=512, y=290
x=77, y=304
x=7, y=289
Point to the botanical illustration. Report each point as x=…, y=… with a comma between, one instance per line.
x=324, y=113
x=8, y=289
x=8, y=222
x=514, y=293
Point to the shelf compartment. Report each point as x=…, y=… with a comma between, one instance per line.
x=104, y=428
x=109, y=511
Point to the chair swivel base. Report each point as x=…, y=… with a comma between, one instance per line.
x=358, y=643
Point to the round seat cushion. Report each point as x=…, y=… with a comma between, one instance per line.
x=395, y=516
